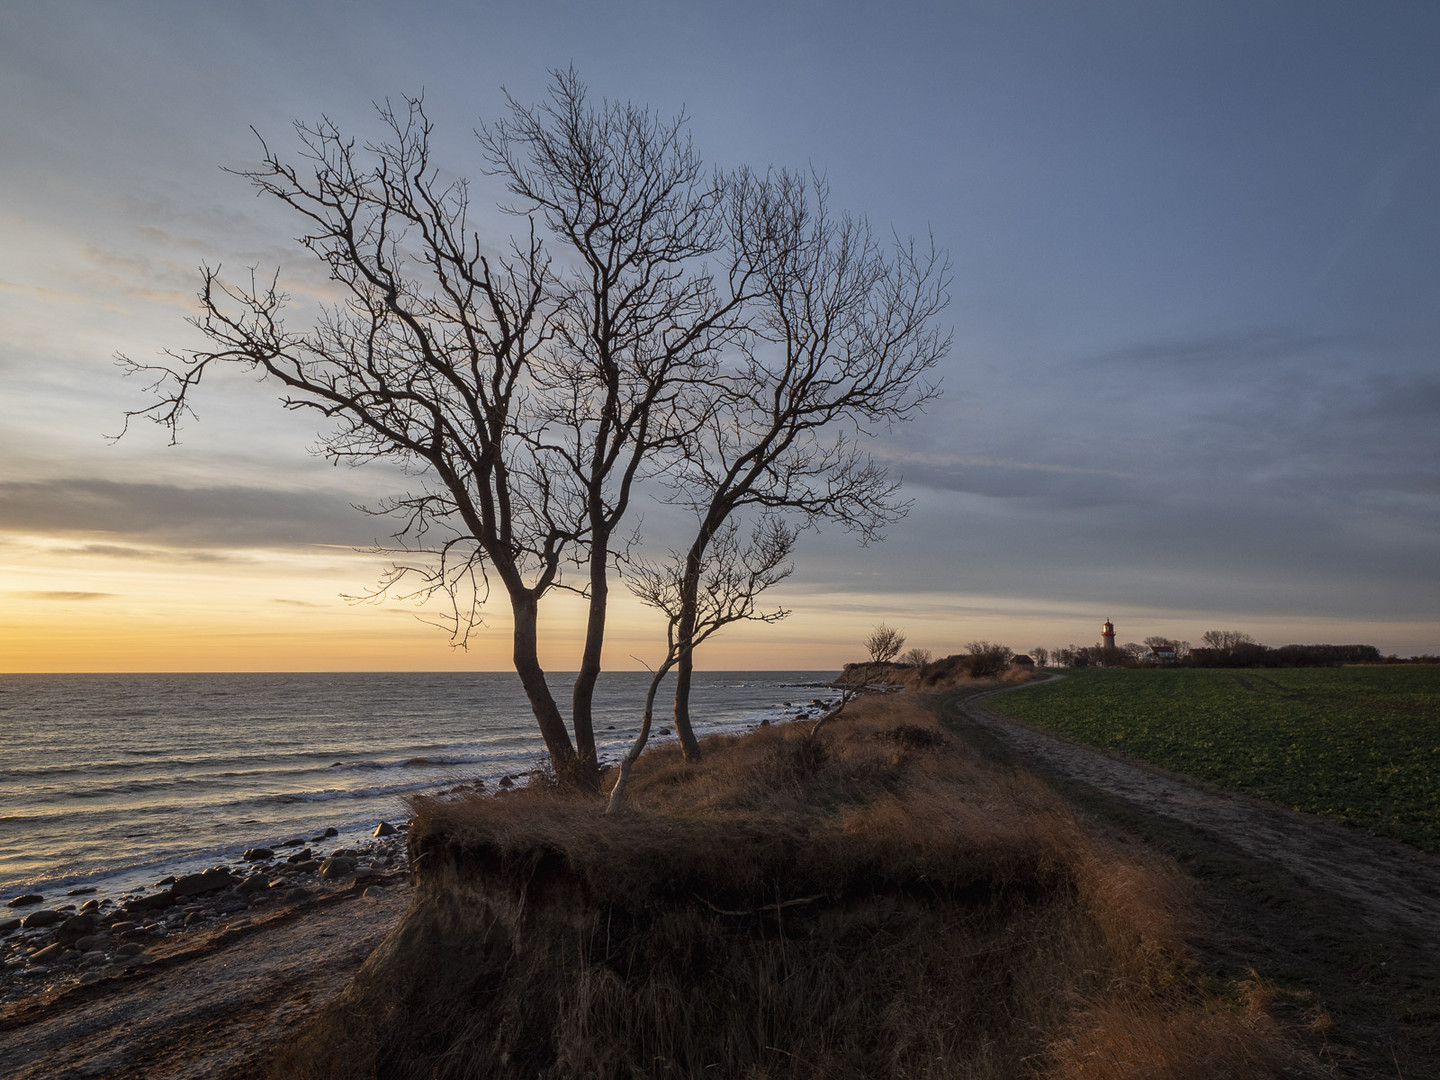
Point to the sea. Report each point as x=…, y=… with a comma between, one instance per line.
x=110, y=781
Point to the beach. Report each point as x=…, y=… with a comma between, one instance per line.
x=55, y=944
x=212, y=1001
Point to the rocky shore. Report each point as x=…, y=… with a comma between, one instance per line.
x=51, y=943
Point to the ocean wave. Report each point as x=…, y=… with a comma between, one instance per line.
x=288, y=798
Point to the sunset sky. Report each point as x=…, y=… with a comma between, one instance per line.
x=1195, y=380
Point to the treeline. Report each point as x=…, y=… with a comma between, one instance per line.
x=1222, y=649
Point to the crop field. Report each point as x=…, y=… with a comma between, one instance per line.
x=1357, y=744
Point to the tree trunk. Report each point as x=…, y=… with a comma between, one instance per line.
x=582, y=699
x=685, y=630
x=617, y=794
x=569, y=769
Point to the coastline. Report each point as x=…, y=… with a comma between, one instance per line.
x=218, y=1000
x=114, y=782
x=53, y=944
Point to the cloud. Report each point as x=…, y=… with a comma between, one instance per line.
x=1247, y=346
x=135, y=517
x=63, y=595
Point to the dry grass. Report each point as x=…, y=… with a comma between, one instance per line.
x=879, y=902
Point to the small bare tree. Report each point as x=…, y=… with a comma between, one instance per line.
x=843, y=343
x=735, y=575
x=882, y=645
x=917, y=658
x=1041, y=655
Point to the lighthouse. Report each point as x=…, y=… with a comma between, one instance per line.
x=1107, y=636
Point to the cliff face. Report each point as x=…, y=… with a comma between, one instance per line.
x=878, y=903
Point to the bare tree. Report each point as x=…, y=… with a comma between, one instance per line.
x=882, y=645
x=1041, y=655
x=1226, y=640
x=844, y=339
x=735, y=575
x=986, y=659
x=523, y=395
x=917, y=658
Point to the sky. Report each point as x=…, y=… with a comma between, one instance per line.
x=1195, y=379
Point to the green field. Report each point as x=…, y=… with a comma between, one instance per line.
x=1357, y=744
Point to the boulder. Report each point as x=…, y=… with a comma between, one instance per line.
x=47, y=955
x=332, y=832
x=156, y=902
x=257, y=854
x=385, y=829
x=301, y=855
x=204, y=882
x=43, y=917
x=130, y=948
x=26, y=900
x=8, y=926
x=75, y=928
x=337, y=867
x=255, y=883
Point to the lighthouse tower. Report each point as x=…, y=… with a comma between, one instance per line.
x=1107, y=636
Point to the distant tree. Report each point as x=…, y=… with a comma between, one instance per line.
x=882, y=645
x=986, y=659
x=1225, y=640
x=917, y=658
x=1133, y=651
x=1041, y=655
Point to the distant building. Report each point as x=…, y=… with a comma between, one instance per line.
x=1107, y=636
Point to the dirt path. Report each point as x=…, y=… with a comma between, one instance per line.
x=212, y=1004
x=1348, y=921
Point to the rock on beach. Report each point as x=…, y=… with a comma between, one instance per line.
x=51, y=946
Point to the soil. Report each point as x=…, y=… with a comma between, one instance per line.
x=214, y=1004
x=1339, y=929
